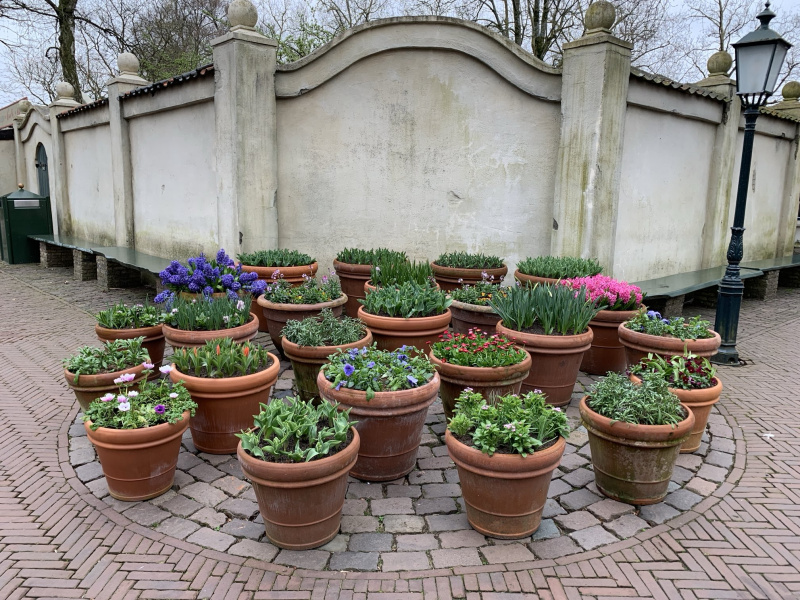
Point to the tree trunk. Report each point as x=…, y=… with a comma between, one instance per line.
x=65, y=14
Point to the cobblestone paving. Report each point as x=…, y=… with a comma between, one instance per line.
x=730, y=527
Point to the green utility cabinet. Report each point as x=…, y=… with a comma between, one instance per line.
x=23, y=213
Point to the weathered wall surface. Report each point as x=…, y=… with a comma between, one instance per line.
x=8, y=167
x=35, y=131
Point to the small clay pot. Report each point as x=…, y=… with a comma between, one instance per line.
x=533, y=279
x=178, y=338
x=391, y=333
x=154, y=341
x=504, y=493
x=606, y=352
x=277, y=314
x=452, y=278
x=90, y=387
x=352, y=278
x=638, y=345
x=293, y=275
x=472, y=316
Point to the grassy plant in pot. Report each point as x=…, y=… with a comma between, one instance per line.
x=297, y=457
x=392, y=271
x=470, y=306
x=389, y=394
x=137, y=434
x=353, y=266
x=549, y=269
x=552, y=323
x=309, y=342
x=228, y=381
x=505, y=453
x=693, y=380
x=455, y=269
x=488, y=364
x=291, y=265
x=618, y=301
x=92, y=371
x=123, y=322
x=409, y=314
x=635, y=435
x=191, y=323
x=649, y=333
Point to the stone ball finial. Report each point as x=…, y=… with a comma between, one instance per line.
x=65, y=91
x=791, y=91
x=127, y=64
x=719, y=63
x=242, y=13
x=600, y=15
x=24, y=106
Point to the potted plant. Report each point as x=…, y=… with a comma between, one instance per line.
x=92, y=371
x=454, y=269
x=123, y=322
x=353, y=266
x=552, y=323
x=291, y=264
x=649, y=333
x=191, y=323
x=297, y=457
x=228, y=381
x=470, y=306
x=389, y=394
x=693, y=380
x=635, y=435
x=405, y=315
x=488, y=364
x=391, y=271
x=505, y=454
x=549, y=269
x=618, y=301
x=137, y=434
x=282, y=302
x=309, y=342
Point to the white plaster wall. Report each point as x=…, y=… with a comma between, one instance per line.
x=421, y=150
x=664, y=181
x=8, y=167
x=34, y=134
x=89, y=184
x=174, y=181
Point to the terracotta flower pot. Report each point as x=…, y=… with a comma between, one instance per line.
x=391, y=333
x=91, y=387
x=633, y=463
x=352, y=278
x=390, y=426
x=556, y=361
x=451, y=278
x=293, y=275
x=277, y=314
x=606, y=352
x=154, y=341
x=226, y=406
x=307, y=361
x=638, y=345
x=487, y=381
x=301, y=503
x=178, y=338
x=138, y=463
x=469, y=316
x=533, y=279
x=504, y=493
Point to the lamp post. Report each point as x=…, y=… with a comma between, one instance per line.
x=759, y=58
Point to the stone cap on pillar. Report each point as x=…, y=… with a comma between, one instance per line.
x=65, y=96
x=790, y=103
x=242, y=18
x=598, y=23
x=128, y=68
x=719, y=69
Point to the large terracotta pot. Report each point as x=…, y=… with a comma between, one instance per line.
x=471, y=316
x=633, y=463
x=91, y=387
x=451, y=278
x=178, y=338
x=277, y=314
x=490, y=382
x=606, y=352
x=138, y=463
x=639, y=345
x=504, y=493
x=390, y=426
x=391, y=333
x=556, y=361
x=301, y=503
x=154, y=341
x=352, y=278
x=293, y=275
x=307, y=361
x=226, y=406
x=533, y=279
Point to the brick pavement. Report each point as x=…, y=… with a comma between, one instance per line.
x=731, y=529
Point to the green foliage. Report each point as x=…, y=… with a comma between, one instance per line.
x=296, y=431
x=511, y=425
x=477, y=349
x=478, y=294
x=209, y=314
x=466, y=260
x=311, y=291
x=651, y=403
x=354, y=256
x=275, y=258
x=559, y=267
x=116, y=355
x=652, y=323
x=390, y=271
x=406, y=300
x=222, y=358
x=294, y=46
x=122, y=316
x=687, y=372
x=324, y=330
x=555, y=308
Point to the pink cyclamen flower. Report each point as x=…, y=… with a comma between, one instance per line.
x=173, y=395
x=124, y=406
x=555, y=408
x=148, y=365
x=107, y=398
x=122, y=398
x=133, y=394
x=165, y=369
x=537, y=391
x=126, y=377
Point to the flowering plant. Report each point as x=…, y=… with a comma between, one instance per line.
x=275, y=258
x=406, y=300
x=372, y=370
x=222, y=358
x=209, y=314
x=559, y=267
x=151, y=403
x=324, y=330
x=688, y=372
x=608, y=293
x=548, y=309
x=116, y=355
x=512, y=424
x=122, y=316
x=465, y=260
x=650, y=403
x=652, y=323
x=311, y=291
x=203, y=276
x=477, y=349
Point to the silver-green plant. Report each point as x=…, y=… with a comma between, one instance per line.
x=556, y=309
x=650, y=403
x=407, y=300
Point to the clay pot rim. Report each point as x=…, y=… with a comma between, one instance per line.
x=294, y=271
x=352, y=269
x=472, y=307
x=480, y=373
x=502, y=463
x=171, y=331
x=301, y=307
x=228, y=384
x=388, y=400
x=547, y=342
x=691, y=396
x=671, y=344
x=293, y=350
x=635, y=431
x=460, y=271
x=605, y=316
x=520, y=276
x=106, y=435
x=379, y=320
x=125, y=333
x=100, y=379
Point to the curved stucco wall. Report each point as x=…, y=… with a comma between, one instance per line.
x=36, y=131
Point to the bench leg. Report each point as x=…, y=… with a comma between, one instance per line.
x=762, y=288
x=674, y=307
x=51, y=256
x=113, y=275
x=789, y=278
x=84, y=264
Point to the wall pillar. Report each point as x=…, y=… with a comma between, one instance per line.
x=57, y=162
x=21, y=168
x=246, y=127
x=789, y=224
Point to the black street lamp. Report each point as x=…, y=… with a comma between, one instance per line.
x=759, y=58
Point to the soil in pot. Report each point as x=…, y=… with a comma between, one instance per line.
x=606, y=352
x=451, y=278
x=91, y=387
x=154, y=341
x=352, y=278
x=391, y=333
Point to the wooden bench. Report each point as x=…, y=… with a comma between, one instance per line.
x=67, y=251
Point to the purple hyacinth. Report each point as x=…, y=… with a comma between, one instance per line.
x=257, y=287
x=232, y=295
x=208, y=290
x=226, y=280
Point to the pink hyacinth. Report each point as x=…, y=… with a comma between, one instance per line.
x=608, y=292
